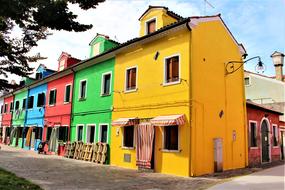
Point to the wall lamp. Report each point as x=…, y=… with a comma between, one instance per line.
x=260, y=67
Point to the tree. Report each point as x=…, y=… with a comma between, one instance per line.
x=34, y=18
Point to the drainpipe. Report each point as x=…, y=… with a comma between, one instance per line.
x=191, y=172
x=71, y=111
x=25, y=119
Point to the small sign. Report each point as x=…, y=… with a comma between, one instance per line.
x=234, y=135
x=117, y=131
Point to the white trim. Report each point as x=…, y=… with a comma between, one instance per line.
x=53, y=89
x=64, y=97
x=146, y=24
x=102, y=83
x=79, y=94
x=137, y=73
x=275, y=125
x=100, y=131
x=273, y=80
x=123, y=138
x=76, y=133
x=165, y=83
x=88, y=126
x=269, y=140
x=256, y=132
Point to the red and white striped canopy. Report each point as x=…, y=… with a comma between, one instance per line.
x=125, y=121
x=168, y=120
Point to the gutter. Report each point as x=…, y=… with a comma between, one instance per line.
x=71, y=108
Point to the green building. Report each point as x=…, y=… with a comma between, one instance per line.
x=93, y=95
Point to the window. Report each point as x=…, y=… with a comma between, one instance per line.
x=171, y=137
x=1, y=110
x=82, y=89
x=17, y=105
x=22, y=83
x=253, y=139
x=246, y=81
x=39, y=76
x=20, y=132
x=275, y=135
x=11, y=106
x=38, y=132
x=128, y=136
x=52, y=97
x=5, y=108
x=151, y=26
x=106, y=84
x=103, y=133
x=24, y=103
x=79, y=132
x=49, y=130
x=41, y=100
x=90, y=134
x=63, y=134
x=31, y=102
x=61, y=65
x=172, y=69
x=67, y=93
x=131, y=79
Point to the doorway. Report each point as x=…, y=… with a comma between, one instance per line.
x=282, y=145
x=265, y=141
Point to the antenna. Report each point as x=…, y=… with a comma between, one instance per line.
x=205, y=6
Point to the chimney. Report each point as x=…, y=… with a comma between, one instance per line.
x=278, y=61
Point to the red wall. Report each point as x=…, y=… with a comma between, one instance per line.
x=254, y=153
x=59, y=114
x=7, y=117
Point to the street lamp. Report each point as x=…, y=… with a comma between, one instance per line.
x=260, y=67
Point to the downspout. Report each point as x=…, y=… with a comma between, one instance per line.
x=71, y=111
x=191, y=172
x=25, y=120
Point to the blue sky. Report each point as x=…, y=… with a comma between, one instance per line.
x=258, y=24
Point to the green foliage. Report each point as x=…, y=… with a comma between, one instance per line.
x=33, y=18
x=9, y=181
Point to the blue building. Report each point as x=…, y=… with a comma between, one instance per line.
x=34, y=121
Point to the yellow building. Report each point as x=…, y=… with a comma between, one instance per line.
x=175, y=109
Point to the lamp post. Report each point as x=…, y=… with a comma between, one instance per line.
x=230, y=68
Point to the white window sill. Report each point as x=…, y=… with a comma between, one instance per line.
x=66, y=102
x=104, y=95
x=254, y=148
x=275, y=146
x=128, y=148
x=171, y=151
x=171, y=83
x=130, y=91
x=51, y=105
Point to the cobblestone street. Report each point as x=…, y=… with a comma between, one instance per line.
x=54, y=172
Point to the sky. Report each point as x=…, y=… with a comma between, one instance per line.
x=258, y=24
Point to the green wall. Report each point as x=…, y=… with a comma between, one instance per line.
x=95, y=109
x=18, y=119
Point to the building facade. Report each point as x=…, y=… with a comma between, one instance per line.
x=169, y=114
x=265, y=143
x=7, y=118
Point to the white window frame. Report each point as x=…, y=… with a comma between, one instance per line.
x=88, y=127
x=103, y=81
x=165, y=83
x=275, y=125
x=43, y=92
x=33, y=102
x=15, y=105
x=79, y=94
x=53, y=89
x=77, y=126
x=11, y=103
x=100, y=132
x=256, y=133
x=126, y=75
x=5, y=111
x=148, y=21
x=123, y=138
x=70, y=93
x=163, y=135
x=249, y=81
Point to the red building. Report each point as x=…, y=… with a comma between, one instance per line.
x=264, y=140
x=58, y=106
x=8, y=108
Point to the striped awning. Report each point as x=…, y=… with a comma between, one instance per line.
x=168, y=120
x=125, y=121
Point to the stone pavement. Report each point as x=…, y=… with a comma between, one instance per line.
x=272, y=178
x=54, y=172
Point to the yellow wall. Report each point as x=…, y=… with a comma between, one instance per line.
x=153, y=99
x=203, y=93
x=213, y=92
x=162, y=19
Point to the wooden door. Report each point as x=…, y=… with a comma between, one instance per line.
x=265, y=142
